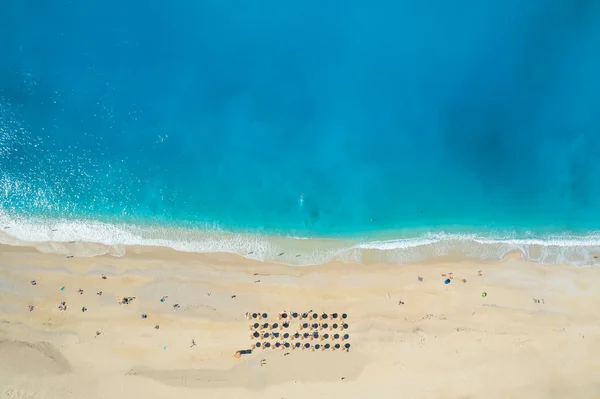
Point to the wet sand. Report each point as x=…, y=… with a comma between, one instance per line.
x=444, y=341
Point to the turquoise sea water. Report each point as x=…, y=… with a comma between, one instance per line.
x=399, y=120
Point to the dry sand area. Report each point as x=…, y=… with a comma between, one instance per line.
x=535, y=335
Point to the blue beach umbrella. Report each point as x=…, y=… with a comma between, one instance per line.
x=447, y=281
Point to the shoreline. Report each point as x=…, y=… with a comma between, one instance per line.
x=424, y=339
x=86, y=239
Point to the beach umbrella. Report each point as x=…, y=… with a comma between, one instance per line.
x=254, y=315
x=304, y=316
x=257, y=344
x=267, y=345
x=265, y=325
x=447, y=281
x=336, y=346
x=334, y=316
x=345, y=337
x=314, y=326
x=344, y=326
x=324, y=326
x=307, y=345
x=255, y=335
x=286, y=344
x=297, y=344
x=344, y=316
x=317, y=346
x=286, y=336
x=266, y=335
x=324, y=316
x=294, y=315
x=327, y=346
x=306, y=335
x=315, y=316
x=347, y=346
x=334, y=326
x=336, y=336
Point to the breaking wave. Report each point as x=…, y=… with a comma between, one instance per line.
x=91, y=238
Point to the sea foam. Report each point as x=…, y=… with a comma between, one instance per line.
x=91, y=238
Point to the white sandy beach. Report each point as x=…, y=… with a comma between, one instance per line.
x=445, y=341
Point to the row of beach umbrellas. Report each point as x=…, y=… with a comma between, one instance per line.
x=296, y=315
x=301, y=326
x=302, y=346
x=298, y=336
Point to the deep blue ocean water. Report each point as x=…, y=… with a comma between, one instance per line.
x=314, y=119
